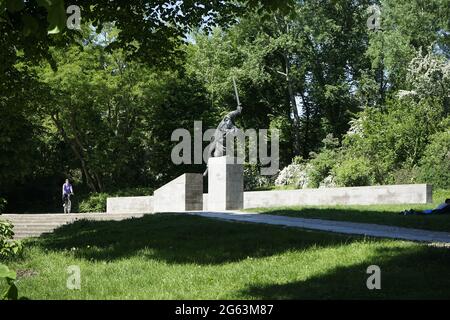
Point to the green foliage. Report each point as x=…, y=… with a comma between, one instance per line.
x=250, y=176
x=405, y=175
x=323, y=162
x=321, y=166
x=151, y=32
x=396, y=137
x=56, y=16
x=9, y=276
x=439, y=195
x=435, y=164
x=3, y=203
x=279, y=60
x=304, y=67
x=96, y=202
x=8, y=247
x=19, y=130
x=253, y=180
x=353, y=172
x=408, y=25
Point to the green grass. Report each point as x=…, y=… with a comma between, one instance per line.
x=378, y=214
x=189, y=257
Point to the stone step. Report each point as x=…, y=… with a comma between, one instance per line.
x=34, y=225
x=21, y=236
x=72, y=215
x=18, y=224
x=67, y=218
x=37, y=226
x=22, y=221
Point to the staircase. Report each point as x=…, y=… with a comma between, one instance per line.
x=33, y=225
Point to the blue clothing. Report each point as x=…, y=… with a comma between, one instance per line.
x=67, y=188
x=442, y=208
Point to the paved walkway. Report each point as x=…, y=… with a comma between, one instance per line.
x=33, y=225
x=366, y=229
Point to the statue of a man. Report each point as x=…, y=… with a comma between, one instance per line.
x=225, y=129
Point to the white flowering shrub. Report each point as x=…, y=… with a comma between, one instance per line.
x=294, y=174
x=428, y=76
x=356, y=126
x=328, y=182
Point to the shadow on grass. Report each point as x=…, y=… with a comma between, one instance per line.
x=365, y=215
x=418, y=272
x=182, y=239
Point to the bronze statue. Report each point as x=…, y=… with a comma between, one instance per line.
x=225, y=128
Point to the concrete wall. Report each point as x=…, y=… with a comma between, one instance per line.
x=391, y=194
x=181, y=194
x=225, y=184
x=130, y=205
x=171, y=197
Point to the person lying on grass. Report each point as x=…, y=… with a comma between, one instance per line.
x=440, y=209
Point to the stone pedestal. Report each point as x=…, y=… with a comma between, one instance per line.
x=184, y=193
x=225, y=184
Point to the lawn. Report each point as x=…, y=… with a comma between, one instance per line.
x=378, y=214
x=168, y=256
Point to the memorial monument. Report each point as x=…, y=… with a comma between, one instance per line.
x=225, y=174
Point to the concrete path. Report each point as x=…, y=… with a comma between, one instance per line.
x=33, y=225
x=366, y=229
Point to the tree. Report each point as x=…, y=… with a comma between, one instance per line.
x=407, y=26
x=151, y=30
x=297, y=70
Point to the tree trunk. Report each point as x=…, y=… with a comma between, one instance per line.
x=293, y=103
x=77, y=153
x=94, y=177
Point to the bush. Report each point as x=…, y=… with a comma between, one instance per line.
x=328, y=182
x=405, y=175
x=321, y=166
x=353, y=172
x=295, y=175
x=395, y=137
x=322, y=163
x=253, y=179
x=8, y=247
x=435, y=165
x=11, y=292
x=96, y=202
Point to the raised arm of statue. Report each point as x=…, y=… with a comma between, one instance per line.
x=235, y=113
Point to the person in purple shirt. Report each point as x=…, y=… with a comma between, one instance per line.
x=67, y=191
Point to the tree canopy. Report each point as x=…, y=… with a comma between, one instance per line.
x=353, y=105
